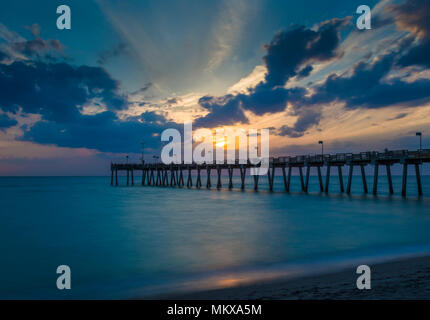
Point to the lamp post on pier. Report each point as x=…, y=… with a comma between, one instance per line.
x=419, y=134
x=322, y=148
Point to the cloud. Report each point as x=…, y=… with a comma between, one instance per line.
x=60, y=93
x=288, y=54
x=20, y=48
x=414, y=16
x=56, y=90
x=306, y=71
x=146, y=87
x=368, y=87
x=291, y=49
x=225, y=110
x=119, y=49
x=103, y=132
x=6, y=121
x=399, y=116
x=307, y=118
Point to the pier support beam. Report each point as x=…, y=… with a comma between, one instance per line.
x=230, y=177
x=256, y=176
x=132, y=177
x=404, y=179
x=208, y=178
x=199, y=180
x=339, y=173
x=242, y=176
x=128, y=174
x=284, y=177
x=327, y=178
x=166, y=177
x=390, y=180
x=417, y=173
x=111, y=177
x=301, y=179
x=375, y=178
x=158, y=182
x=116, y=177
x=271, y=177
x=152, y=177
x=351, y=169
x=308, y=171
x=181, y=178
x=363, y=178
x=172, y=177
x=320, y=179
x=289, y=179
x=190, y=179
x=218, y=171
x=143, y=176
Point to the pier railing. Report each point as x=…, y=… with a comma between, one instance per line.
x=160, y=174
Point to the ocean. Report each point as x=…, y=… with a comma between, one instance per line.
x=128, y=242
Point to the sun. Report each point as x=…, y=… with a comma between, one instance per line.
x=220, y=144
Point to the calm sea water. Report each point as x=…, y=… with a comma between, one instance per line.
x=126, y=242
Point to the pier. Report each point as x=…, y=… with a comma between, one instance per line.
x=172, y=175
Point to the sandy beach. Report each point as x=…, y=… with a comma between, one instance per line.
x=400, y=279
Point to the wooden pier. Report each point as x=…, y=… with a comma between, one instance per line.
x=160, y=174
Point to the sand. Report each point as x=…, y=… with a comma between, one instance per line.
x=402, y=279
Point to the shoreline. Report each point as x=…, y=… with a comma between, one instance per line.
x=403, y=278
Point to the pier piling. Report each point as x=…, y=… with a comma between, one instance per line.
x=363, y=178
x=375, y=179
x=327, y=178
x=404, y=178
x=390, y=180
x=417, y=173
x=348, y=188
x=339, y=173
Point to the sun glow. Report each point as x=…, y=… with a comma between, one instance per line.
x=220, y=144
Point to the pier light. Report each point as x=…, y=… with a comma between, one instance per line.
x=322, y=147
x=419, y=134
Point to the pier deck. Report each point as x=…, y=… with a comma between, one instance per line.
x=160, y=174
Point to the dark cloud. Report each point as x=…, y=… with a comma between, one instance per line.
x=368, y=88
x=37, y=47
x=56, y=90
x=414, y=16
x=3, y=57
x=291, y=49
x=399, y=116
x=173, y=100
x=146, y=87
x=306, y=71
x=103, y=132
x=116, y=51
x=288, y=55
x=225, y=110
x=152, y=117
x=6, y=121
x=307, y=118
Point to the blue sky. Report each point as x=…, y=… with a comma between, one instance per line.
x=129, y=69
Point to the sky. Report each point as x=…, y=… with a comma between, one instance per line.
x=73, y=100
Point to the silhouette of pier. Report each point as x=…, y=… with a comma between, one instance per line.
x=160, y=174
